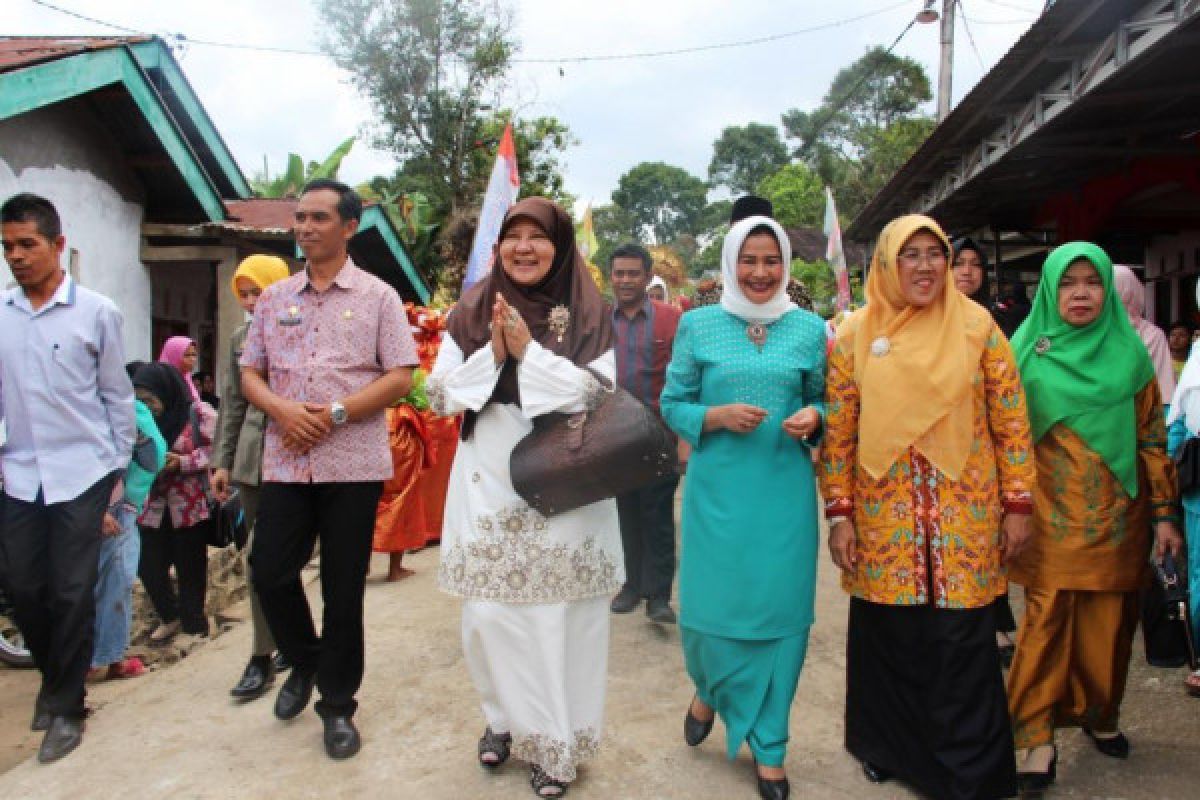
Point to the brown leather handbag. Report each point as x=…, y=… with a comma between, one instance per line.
x=571, y=460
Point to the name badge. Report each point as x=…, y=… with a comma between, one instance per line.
x=289, y=322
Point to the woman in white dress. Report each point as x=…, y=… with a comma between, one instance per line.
x=529, y=339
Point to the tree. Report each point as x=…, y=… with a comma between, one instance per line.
x=797, y=194
x=613, y=226
x=297, y=173
x=868, y=124
x=426, y=66
x=664, y=201
x=743, y=156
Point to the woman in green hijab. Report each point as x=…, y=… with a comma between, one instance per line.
x=1104, y=482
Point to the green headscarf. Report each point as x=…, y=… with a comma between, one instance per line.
x=1085, y=378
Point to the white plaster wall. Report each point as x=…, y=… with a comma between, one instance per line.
x=64, y=155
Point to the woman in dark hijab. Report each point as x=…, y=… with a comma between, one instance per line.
x=970, y=270
x=174, y=522
x=529, y=339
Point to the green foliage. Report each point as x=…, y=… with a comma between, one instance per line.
x=540, y=143
x=426, y=66
x=416, y=397
x=744, y=156
x=798, y=195
x=297, y=174
x=818, y=277
x=868, y=124
x=664, y=201
x=613, y=226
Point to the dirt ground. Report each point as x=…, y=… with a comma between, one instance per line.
x=176, y=733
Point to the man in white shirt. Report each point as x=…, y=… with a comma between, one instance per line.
x=68, y=407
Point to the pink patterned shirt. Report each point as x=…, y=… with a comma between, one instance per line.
x=318, y=347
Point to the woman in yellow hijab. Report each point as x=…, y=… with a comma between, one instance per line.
x=237, y=457
x=927, y=477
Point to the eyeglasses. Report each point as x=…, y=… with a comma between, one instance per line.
x=935, y=257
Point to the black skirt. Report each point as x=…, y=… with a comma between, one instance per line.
x=925, y=699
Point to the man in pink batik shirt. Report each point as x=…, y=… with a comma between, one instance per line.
x=329, y=349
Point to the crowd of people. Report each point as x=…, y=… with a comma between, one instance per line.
x=954, y=440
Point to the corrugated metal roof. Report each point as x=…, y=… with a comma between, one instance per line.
x=23, y=51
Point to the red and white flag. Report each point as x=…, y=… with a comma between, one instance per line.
x=501, y=193
x=834, y=253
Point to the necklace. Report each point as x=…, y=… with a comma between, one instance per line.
x=757, y=333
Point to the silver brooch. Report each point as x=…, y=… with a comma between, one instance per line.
x=558, y=320
x=881, y=347
x=1042, y=346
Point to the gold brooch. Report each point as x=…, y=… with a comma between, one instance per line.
x=1042, y=346
x=558, y=320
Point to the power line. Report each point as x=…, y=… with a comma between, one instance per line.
x=970, y=36
x=719, y=46
x=185, y=39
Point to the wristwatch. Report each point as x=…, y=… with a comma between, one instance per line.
x=338, y=413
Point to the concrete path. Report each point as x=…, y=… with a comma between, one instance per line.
x=176, y=734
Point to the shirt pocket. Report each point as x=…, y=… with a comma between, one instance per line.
x=73, y=363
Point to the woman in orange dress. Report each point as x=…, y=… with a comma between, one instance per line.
x=927, y=474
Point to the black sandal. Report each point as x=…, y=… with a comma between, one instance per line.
x=495, y=745
x=540, y=782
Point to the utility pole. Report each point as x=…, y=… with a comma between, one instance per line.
x=946, y=68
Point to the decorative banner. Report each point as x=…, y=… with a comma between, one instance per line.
x=501, y=194
x=834, y=253
x=585, y=235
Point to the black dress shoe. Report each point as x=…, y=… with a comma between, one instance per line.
x=294, y=694
x=41, y=719
x=1113, y=746
x=773, y=789
x=696, y=730
x=626, y=600
x=258, y=677
x=63, y=736
x=281, y=663
x=875, y=773
x=341, y=737
x=659, y=610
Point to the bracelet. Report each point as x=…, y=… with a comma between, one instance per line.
x=835, y=520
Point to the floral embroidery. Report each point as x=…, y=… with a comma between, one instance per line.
x=557, y=757
x=513, y=561
x=435, y=391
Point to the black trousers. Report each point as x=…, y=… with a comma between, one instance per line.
x=291, y=518
x=187, y=550
x=648, y=537
x=48, y=554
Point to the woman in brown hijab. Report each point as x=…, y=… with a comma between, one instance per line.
x=529, y=339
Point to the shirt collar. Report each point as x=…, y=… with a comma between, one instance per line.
x=64, y=295
x=645, y=310
x=348, y=277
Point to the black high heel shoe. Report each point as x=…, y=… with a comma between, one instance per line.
x=696, y=730
x=1039, y=781
x=772, y=789
x=1111, y=746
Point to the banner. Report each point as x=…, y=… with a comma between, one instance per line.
x=834, y=253
x=501, y=194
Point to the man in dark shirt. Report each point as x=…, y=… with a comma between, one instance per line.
x=644, y=331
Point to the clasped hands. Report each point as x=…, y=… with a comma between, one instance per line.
x=510, y=334
x=303, y=425
x=744, y=418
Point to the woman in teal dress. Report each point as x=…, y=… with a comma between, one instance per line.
x=745, y=388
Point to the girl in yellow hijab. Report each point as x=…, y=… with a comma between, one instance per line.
x=927, y=476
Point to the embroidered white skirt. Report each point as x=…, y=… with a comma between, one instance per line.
x=540, y=670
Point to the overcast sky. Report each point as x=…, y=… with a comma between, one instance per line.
x=623, y=112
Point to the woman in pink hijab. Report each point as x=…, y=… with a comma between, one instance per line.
x=1133, y=297
x=180, y=353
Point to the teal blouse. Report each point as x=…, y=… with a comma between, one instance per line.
x=749, y=544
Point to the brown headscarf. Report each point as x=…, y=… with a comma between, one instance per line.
x=589, y=331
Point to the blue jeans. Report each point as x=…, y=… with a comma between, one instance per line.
x=114, y=590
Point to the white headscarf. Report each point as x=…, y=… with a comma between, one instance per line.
x=732, y=298
x=1186, y=400
x=660, y=283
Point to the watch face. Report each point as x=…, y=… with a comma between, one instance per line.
x=339, y=415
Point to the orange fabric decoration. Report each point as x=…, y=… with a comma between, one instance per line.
x=400, y=516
